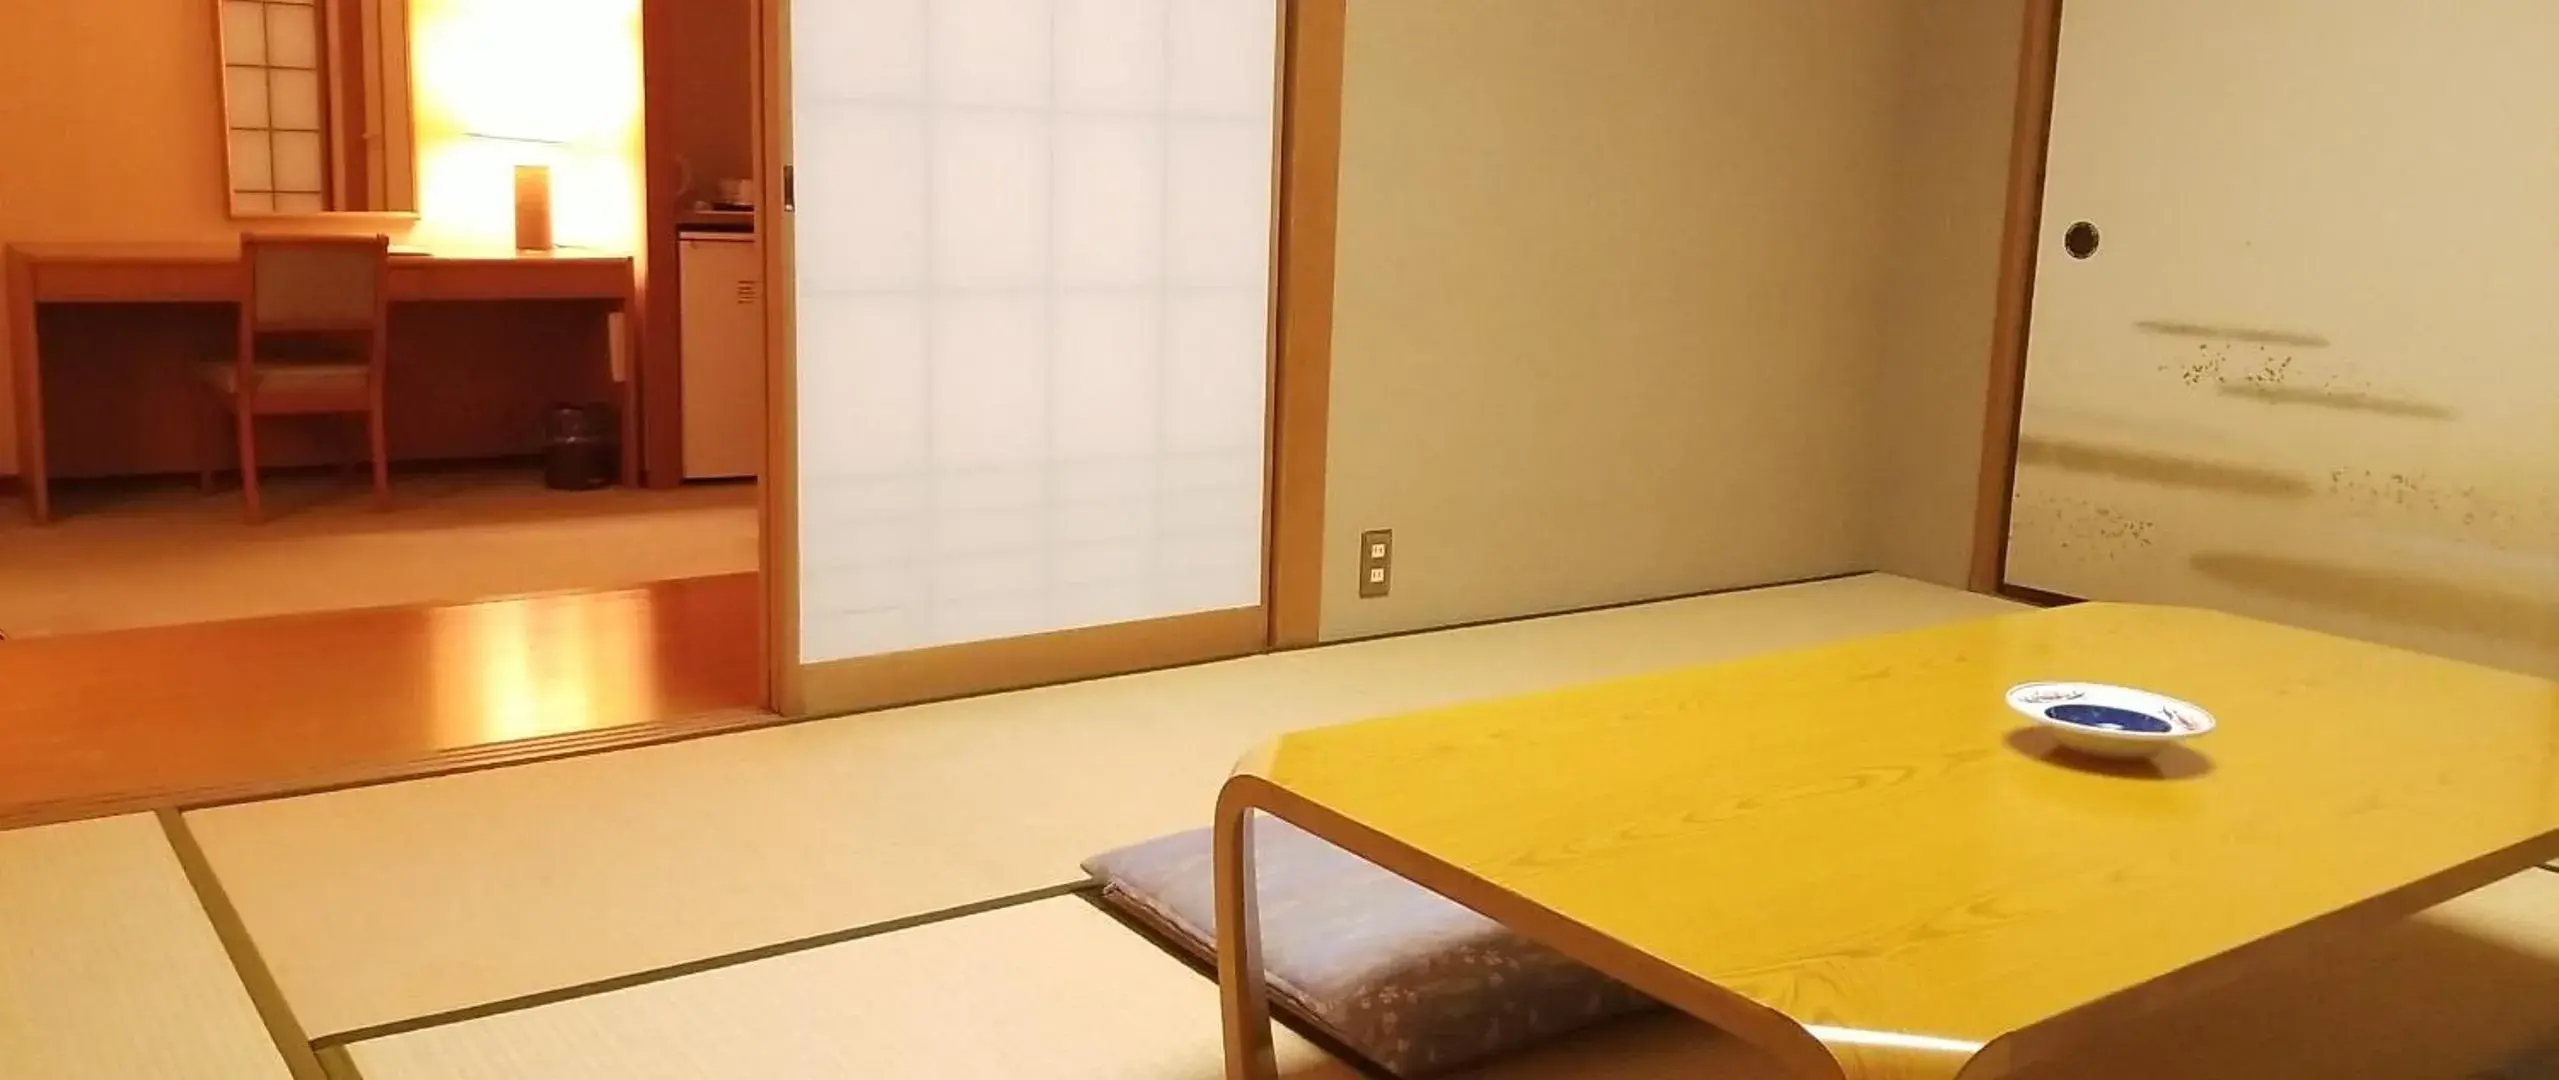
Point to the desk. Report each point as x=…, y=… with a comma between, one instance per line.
x=1859, y=860
x=41, y=274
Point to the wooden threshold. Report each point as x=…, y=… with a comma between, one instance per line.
x=209, y=713
x=443, y=763
x=866, y=683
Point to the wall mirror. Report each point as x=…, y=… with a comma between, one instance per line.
x=317, y=106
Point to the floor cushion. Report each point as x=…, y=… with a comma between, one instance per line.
x=1392, y=972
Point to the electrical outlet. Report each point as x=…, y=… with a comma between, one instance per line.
x=1376, y=563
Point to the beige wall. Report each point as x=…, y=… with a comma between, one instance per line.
x=1958, y=94
x=110, y=121
x=111, y=128
x=1649, y=297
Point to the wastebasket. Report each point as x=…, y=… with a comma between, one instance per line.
x=581, y=447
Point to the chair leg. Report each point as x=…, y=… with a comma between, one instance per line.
x=247, y=424
x=381, y=459
x=208, y=444
x=348, y=456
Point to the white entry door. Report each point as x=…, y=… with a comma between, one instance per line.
x=1033, y=248
x=2308, y=367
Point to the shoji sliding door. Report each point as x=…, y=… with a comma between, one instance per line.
x=2302, y=359
x=1032, y=310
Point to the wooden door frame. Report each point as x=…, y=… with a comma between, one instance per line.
x=2030, y=141
x=1304, y=219
x=658, y=389
x=1309, y=216
x=778, y=493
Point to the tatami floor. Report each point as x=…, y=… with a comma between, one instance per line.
x=894, y=896
x=130, y=555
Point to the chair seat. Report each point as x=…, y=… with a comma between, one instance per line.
x=288, y=378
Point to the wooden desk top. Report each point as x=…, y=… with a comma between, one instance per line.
x=229, y=251
x=210, y=273
x=1858, y=858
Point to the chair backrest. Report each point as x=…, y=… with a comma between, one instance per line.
x=315, y=284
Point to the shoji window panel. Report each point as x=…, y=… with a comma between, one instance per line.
x=274, y=79
x=1033, y=265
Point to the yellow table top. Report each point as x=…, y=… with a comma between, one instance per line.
x=1863, y=842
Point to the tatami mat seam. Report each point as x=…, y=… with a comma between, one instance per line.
x=339, y=1064
x=264, y=993
x=336, y=1041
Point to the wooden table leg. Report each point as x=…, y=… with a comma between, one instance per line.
x=27, y=387
x=1249, y=1054
x=1815, y=1053
x=626, y=379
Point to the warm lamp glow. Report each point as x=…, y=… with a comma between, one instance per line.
x=502, y=83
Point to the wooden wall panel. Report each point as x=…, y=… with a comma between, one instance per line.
x=467, y=381
x=661, y=309
x=700, y=59
x=709, y=58
x=780, y=490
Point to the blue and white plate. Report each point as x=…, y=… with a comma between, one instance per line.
x=2109, y=721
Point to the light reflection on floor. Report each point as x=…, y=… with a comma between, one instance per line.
x=543, y=666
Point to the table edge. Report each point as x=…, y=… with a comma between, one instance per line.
x=1839, y=1054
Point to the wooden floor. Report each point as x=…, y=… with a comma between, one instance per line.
x=105, y=723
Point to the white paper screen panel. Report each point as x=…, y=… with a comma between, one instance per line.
x=2308, y=372
x=1034, y=274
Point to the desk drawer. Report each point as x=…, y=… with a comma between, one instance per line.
x=110, y=282
x=511, y=279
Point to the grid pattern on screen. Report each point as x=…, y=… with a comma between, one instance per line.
x=1034, y=256
x=271, y=56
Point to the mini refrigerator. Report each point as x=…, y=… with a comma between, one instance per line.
x=723, y=355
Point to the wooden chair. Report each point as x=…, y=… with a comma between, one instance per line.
x=313, y=341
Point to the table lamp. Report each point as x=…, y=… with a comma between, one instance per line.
x=532, y=187
x=533, y=208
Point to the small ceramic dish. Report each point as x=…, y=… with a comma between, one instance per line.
x=2109, y=721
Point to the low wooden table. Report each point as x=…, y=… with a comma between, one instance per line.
x=1857, y=859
